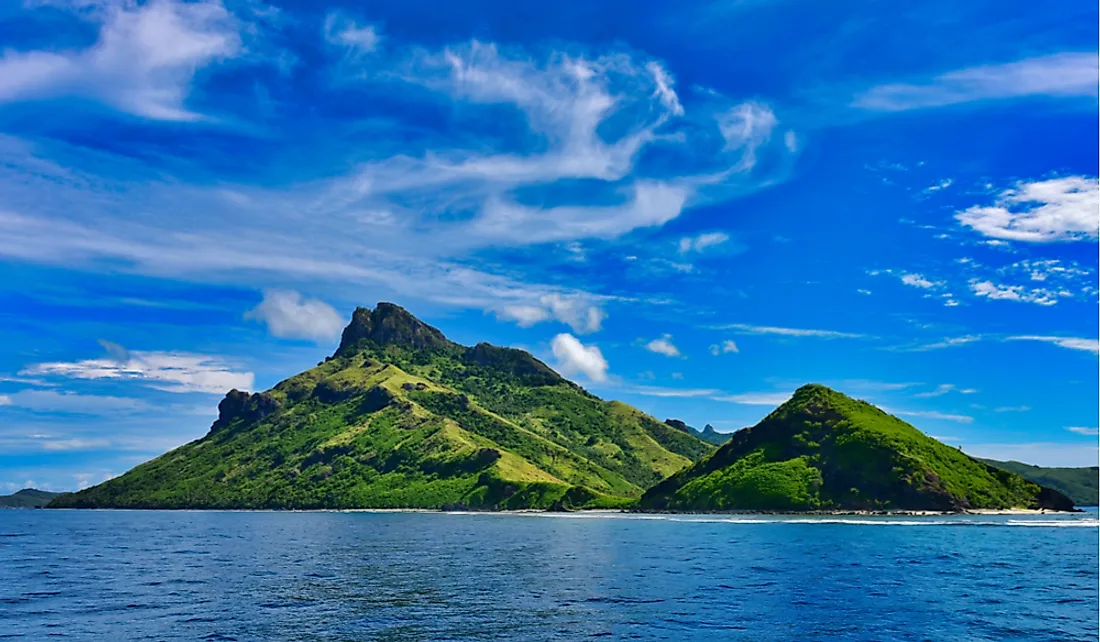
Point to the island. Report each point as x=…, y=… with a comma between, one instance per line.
x=402, y=417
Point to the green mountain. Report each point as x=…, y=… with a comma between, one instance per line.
x=707, y=434
x=402, y=417
x=28, y=498
x=1079, y=484
x=823, y=450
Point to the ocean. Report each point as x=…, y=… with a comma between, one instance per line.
x=189, y=575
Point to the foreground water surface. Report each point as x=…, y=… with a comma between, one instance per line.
x=132, y=575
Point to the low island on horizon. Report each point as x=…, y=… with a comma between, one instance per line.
x=401, y=417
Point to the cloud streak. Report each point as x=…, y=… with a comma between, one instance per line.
x=1065, y=75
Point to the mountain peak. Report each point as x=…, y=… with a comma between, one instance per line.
x=389, y=324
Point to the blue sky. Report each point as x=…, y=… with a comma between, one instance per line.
x=692, y=207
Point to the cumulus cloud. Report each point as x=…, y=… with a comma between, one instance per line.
x=1056, y=210
x=664, y=346
x=168, y=371
x=995, y=291
x=289, y=315
x=918, y=281
x=1063, y=75
x=577, y=312
x=702, y=242
x=142, y=63
x=574, y=357
x=722, y=348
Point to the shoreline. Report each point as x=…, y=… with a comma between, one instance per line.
x=614, y=511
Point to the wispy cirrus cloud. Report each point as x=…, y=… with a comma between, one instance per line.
x=410, y=222
x=167, y=371
x=1061, y=75
x=932, y=414
x=1070, y=343
x=142, y=62
x=755, y=398
x=744, y=328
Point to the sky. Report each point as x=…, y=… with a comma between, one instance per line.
x=693, y=207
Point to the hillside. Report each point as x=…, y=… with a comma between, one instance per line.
x=822, y=450
x=1079, y=484
x=400, y=416
x=707, y=434
x=27, y=498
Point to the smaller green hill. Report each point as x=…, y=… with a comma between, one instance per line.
x=1079, y=484
x=823, y=450
x=28, y=498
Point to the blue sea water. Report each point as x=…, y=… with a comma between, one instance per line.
x=131, y=575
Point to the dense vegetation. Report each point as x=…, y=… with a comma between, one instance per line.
x=823, y=450
x=28, y=498
x=401, y=417
x=1079, y=484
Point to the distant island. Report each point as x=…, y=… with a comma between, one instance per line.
x=28, y=498
x=401, y=417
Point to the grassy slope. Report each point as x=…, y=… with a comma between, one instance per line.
x=385, y=425
x=27, y=498
x=824, y=450
x=1079, y=484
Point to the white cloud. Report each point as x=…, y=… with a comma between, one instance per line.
x=788, y=332
x=1081, y=430
x=1071, y=343
x=1061, y=75
x=702, y=242
x=142, y=62
x=663, y=88
x=1012, y=409
x=167, y=371
x=726, y=346
x=343, y=31
x=573, y=357
x=664, y=346
x=68, y=402
x=577, y=312
x=949, y=342
x=745, y=128
x=940, y=390
x=5, y=400
x=932, y=414
x=1056, y=210
x=918, y=281
x=289, y=315
x=756, y=398
x=990, y=290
